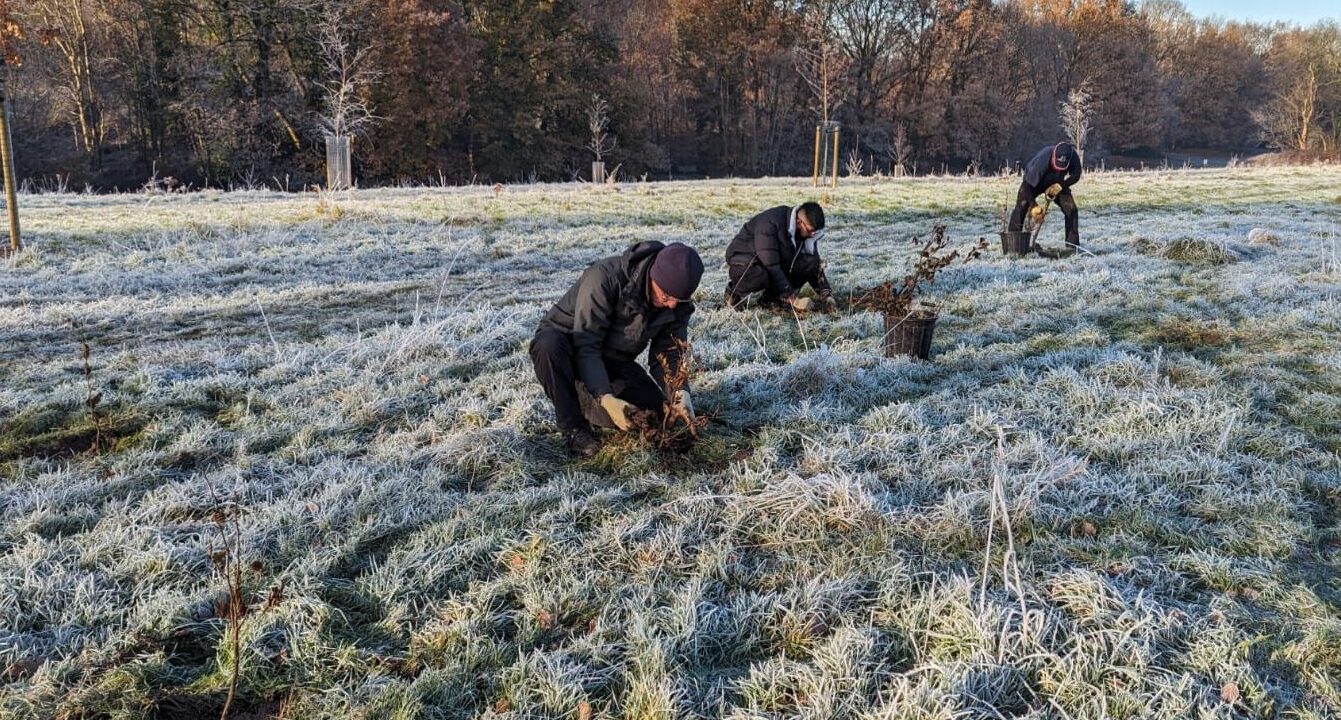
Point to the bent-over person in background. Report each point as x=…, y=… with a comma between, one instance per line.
x=777, y=252
x=1052, y=171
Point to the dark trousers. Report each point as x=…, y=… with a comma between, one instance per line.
x=574, y=406
x=752, y=277
x=1025, y=198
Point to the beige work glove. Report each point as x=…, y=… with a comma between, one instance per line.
x=1036, y=212
x=800, y=304
x=1053, y=191
x=683, y=400
x=616, y=409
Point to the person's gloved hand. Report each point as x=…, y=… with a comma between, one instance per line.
x=683, y=401
x=800, y=304
x=1053, y=190
x=616, y=409
x=1036, y=212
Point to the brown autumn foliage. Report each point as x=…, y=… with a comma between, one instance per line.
x=10, y=34
x=491, y=91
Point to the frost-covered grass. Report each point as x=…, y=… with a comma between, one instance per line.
x=1162, y=412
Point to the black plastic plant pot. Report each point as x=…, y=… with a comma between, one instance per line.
x=910, y=335
x=1015, y=243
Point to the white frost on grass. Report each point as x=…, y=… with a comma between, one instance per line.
x=352, y=375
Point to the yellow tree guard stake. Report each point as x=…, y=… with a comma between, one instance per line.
x=814, y=177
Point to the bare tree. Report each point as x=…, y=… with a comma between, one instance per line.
x=348, y=74
x=818, y=60
x=855, y=166
x=1077, y=111
x=900, y=150
x=871, y=36
x=66, y=25
x=598, y=122
x=1288, y=119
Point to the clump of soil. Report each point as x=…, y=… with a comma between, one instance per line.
x=667, y=432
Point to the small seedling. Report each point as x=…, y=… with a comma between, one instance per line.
x=92, y=399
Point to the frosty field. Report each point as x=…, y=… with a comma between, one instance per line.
x=347, y=379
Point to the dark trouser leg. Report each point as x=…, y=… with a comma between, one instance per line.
x=1072, y=215
x=552, y=355
x=746, y=279
x=629, y=382
x=808, y=269
x=1023, y=200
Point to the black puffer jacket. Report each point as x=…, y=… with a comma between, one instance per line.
x=766, y=237
x=1038, y=173
x=608, y=314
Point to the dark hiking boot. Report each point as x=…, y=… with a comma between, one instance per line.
x=581, y=443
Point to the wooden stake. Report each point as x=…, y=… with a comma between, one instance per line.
x=7, y=166
x=814, y=178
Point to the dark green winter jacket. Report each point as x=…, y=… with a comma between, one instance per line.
x=609, y=315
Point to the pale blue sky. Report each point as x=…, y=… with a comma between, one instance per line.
x=1304, y=12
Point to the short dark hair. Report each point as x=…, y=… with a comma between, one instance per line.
x=813, y=214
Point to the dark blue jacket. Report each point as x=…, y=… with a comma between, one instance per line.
x=1038, y=173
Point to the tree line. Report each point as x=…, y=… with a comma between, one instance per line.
x=114, y=93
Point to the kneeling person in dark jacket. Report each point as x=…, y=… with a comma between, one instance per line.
x=777, y=252
x=586, y=347
x=1052, y=171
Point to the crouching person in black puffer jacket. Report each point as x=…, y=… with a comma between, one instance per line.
x=586, y=347
x=776, y=253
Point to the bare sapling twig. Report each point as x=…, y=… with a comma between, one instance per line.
x=227, y=559
x=92, y=399
x=675, y=429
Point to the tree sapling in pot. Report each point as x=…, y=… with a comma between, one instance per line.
x=909, y=322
